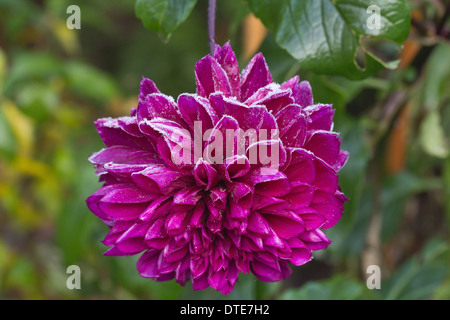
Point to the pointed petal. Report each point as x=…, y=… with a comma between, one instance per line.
x=211, y=77
x=226, y=57
x=256, y=75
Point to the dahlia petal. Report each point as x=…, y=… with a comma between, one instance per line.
x=214, y=220
x=325, y=145
x=272, y=183
x=217, y=144
x=157, y=105
x=156, y=230
x=326, y=177
x=200, y=283
x=205, y=175
x=268, y=204
x=300, y=196
x=131, y=246
x=329, y=206
x=291, y=83
x=315, y=239
x=226, y=57
x=147, y=264
x=236, y=167
x=122, y=155
x=122, y=211
x=258, y=224
x=211, y=77
x=112, y=134
x=238, y=212
x=248, y=117
x=300, y=256
x=174, y=253
x=272, y=97
x=147, y=87
x=198, y=266
x=301, y=166
x=293, y=125
x=176, y=223
x=254, y=76
x=242, y=194
x=128, y=193
x=311, y=218
x=93, y=202
x=188, y=196
x=301, y=91
x=160, y=179
x=270, y=154
x=321, y=116
x=195, y=108
x=274, y=240
x=285, y=223
x=172, y=131
x=156, y=209
x=182, y=272
x=116, y=231
x=303, y=94
x=342, y=159
x=197, y=214
x=269, y=273
x=114, y=252
x=218, y=196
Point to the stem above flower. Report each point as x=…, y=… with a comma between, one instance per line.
x=212, y=25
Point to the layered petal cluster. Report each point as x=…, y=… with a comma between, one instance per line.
x=213, y=215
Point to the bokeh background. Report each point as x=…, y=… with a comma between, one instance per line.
x=54, y=82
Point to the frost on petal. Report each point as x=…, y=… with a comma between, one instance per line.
x=321, y=116
x=211, y=77
x=113, y=134
x=325, y=145
x=160, y=179
x=293, y=125
x=147, y=87
x=256, y=75
x=226, y=57
x=194, y=108
x=205, y=175
x=157, y=105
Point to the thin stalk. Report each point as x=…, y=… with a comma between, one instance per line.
x=212, y=26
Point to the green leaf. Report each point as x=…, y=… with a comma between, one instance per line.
x=163, y=16
x=89, y=82
x=327, y=36
x=432, y=138
x=419, y=276
x=437, y=77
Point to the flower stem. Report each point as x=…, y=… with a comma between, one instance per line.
x=212, y=26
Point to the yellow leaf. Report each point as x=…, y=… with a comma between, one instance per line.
x=2, y=68
x=68, y=38
x=21, y=127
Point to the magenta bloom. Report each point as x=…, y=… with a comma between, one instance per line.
x=204, y=213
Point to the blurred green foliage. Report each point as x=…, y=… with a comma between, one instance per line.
x=54, y=82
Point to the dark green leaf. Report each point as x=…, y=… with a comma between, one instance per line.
x=326, y=36
x=163, y=16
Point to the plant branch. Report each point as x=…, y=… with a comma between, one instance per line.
x=212, y=26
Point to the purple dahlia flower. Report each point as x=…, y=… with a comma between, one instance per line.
x=205, y=214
